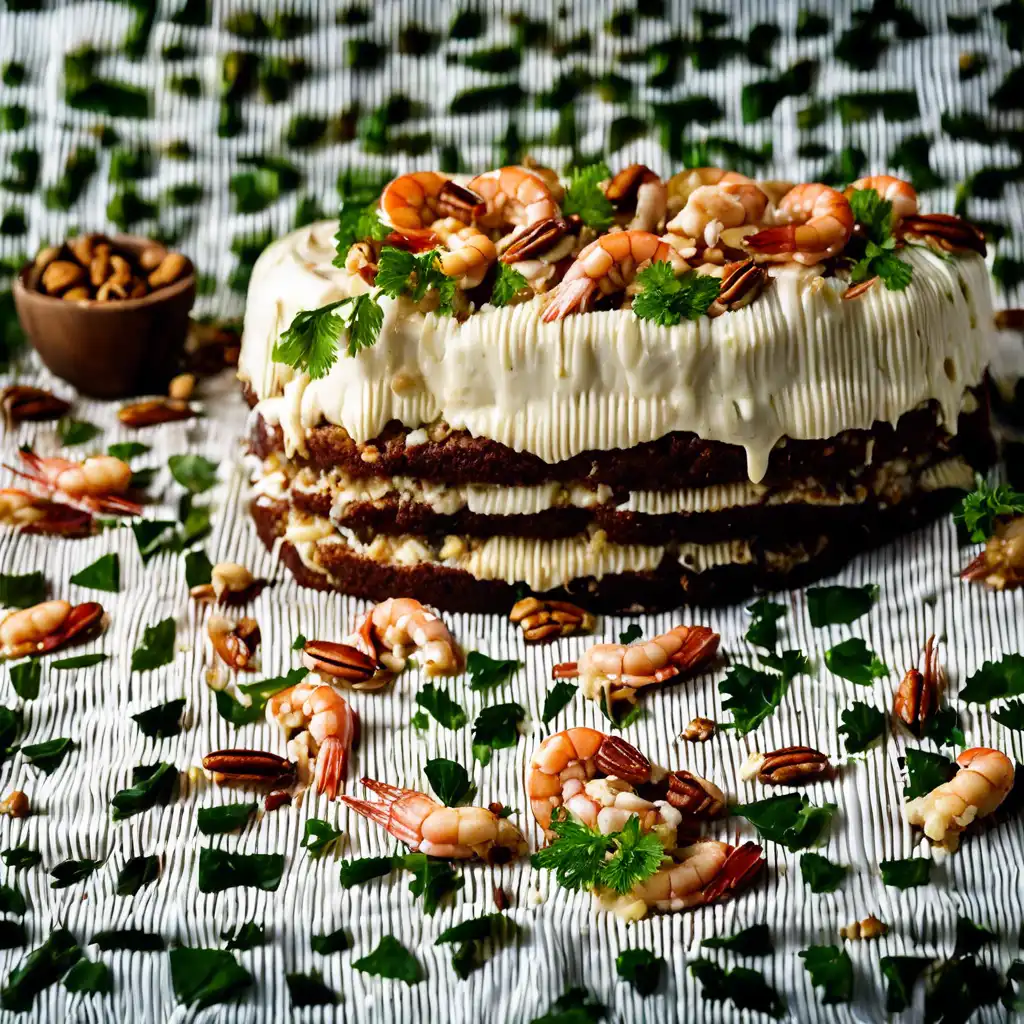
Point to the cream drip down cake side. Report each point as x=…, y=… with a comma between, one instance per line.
x=635, y=394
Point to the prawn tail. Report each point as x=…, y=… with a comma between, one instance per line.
x=770, y=240
x=739, y=869
x=331, y=762
x=115, y=505
x=570, y=297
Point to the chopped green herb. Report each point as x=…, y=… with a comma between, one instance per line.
x=215, y=821
x=970, y=937
x=12, y=901
x=162, y=721
x=22, y=591
x=81, y=661
x=130, y=939
x=753, y=941
x=861, y=724
x=1003, y=678
x=89, y=976
x=746, y=988
x=10, y=726
x=558, y=697
x=466, y=23
x=585, y=198
x=752, y=696
x=485, y=672
x=245, y=936
x=830, y=968
x=193, y=472
x=48, y=756
x=496, y=728
x=449, y=780
x=641, y=968
x=309, y=990
x=68, y=872
x=925, y=771
x=507, y=285
x=837, y=606
x=433, y=879
x=18, y=857
x=205, y=977
x=854, y=660
x=876, y=217
x=310, y=342
x=363, y=869
x=764, y=618
x=906, y=874
x=405, y=273
x=103, y=574
x=335, y=942
x=319, y=836
x=944, y=728
x=127, y=208
x=390, y=960
x=43, y=967
x=790, y=820
x=981, y=510
x=901, y=973
x=508, y=96
x=157, y=647
x=25, y=677
x=820, y=874
x=668, y=300
x=152, y=784
x=439, y=705
x=221, y=869
x=136, y=873
x=151, y=536
x=258, y=693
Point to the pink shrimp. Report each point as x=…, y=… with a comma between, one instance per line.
x=681, y=185
x=32, y=514
x=95, y=485
x=330, y=722
x=425, y=826
x=413, y=202
x=727, y=205
x=897, y=191
x=47, y=626
x=640, y=195
x=515, y=197
x=391, y=630
x=606, y=266
x=470, y=253
x=820, y=224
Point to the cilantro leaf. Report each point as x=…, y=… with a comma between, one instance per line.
x=558, y=697
x=449, y=780
x=901, y=972
x=485, y=672
x=79, y=661
x=839, y=606
x=311, y=341
x=259, y=693
x=334, y=942
x=873, y=213
x=68, y=872
x=507, y=285
x=405, y=273
x=752, y=696
x=364, y=323
x=215, y=821
x=394, y=269
x=789, y=664
x=245, y=936
x=390, y=960
x=136, y=873
x=152, y=784
x=309, y=990
x=876, y=217
x=746, y=988
x=89, y=976
x=820, y=874
x=198, y=568
x=861, y=724
x=753, y=941
x=584, y=196
x=668, y=300
x=40, y=969
x=637, y=856
x=127, y=450
x=854, y=660
x=436, y=702
x=74, y=432
x=831, y=968
x=357, y=222
x=495, y=728
x=641, y=968
x=150, y=536
x=764, y=618
x=791, y=819
x=895, y=273
x=103, y=574
x=157, y=647
x=631, y=633
x=25, y=678
x=980, y=510
x=925, y=771
x=318, y=835
x=944, y=728
x=1003, y=678
x=906, y=873
x=467, y=956
x=960, y=987
x=433, y=879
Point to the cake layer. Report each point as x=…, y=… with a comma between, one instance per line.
x=799, y=362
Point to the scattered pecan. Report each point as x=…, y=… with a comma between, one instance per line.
x=742, y=282
x=154, y=411
x=917, y=698
x=544, y=620
x=791, y=766
x=1001, y=565
x=535, y=240
x=253, y=766
x=181, y=387
x=15, y=805
x=22, y=402
x=338, y=661
x=623, y=187
x=617, y=757
x=500, y=899
x=699, y=730
x=695, y=796
x=276, y=798
x=859, y=289
x=455, y=200
x=235, y=643
x=949, y=232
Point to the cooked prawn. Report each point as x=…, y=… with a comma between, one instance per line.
x=515, y=197
x=425, y=826
x=32, y=514
x=820, y=224
x=471, y=251
x=616, y=671
x=45, y=627
x=978, y=788
x=413, y=202
x=1001, y=565
x=895, y=190
x=606, y=266
x=637, y=189
x=711, y=208
x=326, y=716
x=95, y=484
x=681, y=185
x=392, y=630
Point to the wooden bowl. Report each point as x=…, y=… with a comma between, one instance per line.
x=109, y=349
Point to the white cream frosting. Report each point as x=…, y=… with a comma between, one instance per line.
x=799, y=361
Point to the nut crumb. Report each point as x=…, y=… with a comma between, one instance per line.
x=15, y=804
x=752, y=765
x=699, y=730
x=869, y=928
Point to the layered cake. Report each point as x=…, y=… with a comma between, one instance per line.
x=623, y=391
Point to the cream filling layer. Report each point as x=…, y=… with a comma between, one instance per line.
x=797, y=362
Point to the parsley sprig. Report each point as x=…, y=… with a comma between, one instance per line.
x=668, y=300
x=357, y=222
x=583, y=858
x=406, y=273
x=980, y=509
x=585, y=198
x=876, y=217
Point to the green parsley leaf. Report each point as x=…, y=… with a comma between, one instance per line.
x=1003, y=678
x=874, y=214
x=753, y=941
x=390, y=960
x=309, y=990
x=10, y=726
x=89, y=976
x=318, y=836
x=439, y=705
x=221, y=869
x=668, y=300
x=259, y=693
x=245, y=936
x=127, y=450
x=22, y=591
x=215, y=821
x=299, y=642
x=18, y=857
x=136, y=873
x=764, y=629
x=906, y=873
x=854, y=660
x=478, y=929
x=449, y=781
x=433, y=879
x=789, y=664
x=791, y=819
x=558, y=697
x=25, y=677
x=1011, y=715
x=970, y=937
x=901, y=972
x=12, y=901
x=944, y=728
x=81, y=661
x=68, y=872
x=193, y=472
x=364, y=322
x=357, y=222
x=746, y=988
x=958, y=988
x=74, y=432
x=43, y=967
x=150, y=536
x=981, y=510
x=832, y=969
x=820, y=874
x=198, y=568
x=752, y=696
x=637, y=856
x=641, y=968
x=151, y=785
x=876, y=217
x=311, y=341
x=839, y=606
x=496, y=728
x=585, y=197
x=103, y=574
x=925, y=771
x=157, y=647
x=405, y=273
x=162, y=721
x=363, y=869
x=507, y=285
x=335, y=942
x=895, y=273
x=485, y=672
x=132, y=939
x=48, y=756
x=205, y=977
x=861, y=724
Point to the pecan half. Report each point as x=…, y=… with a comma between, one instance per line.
x=535, y=240
x=235, y=643
x=624, y=186
x=695, y=796
x=22, y=402
x=859, y=289
x=254, y=766
x=617, y=757
x=742, y=282
x=455, y=200
x=699, y=730
x=917, y=697
x=544, y=620
x=276, y=798
x=791, y=766
x=154, y=411
x=338, y=661
x=1009, y=320
x=949, y=232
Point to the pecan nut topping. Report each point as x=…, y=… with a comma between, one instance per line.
x=742, y=282
x=455, y=200
x=617, y=757
x=154, y=411
x=695, y=796
x=544, y=620
x=338, y=661
x=21, y=402
x=949, y=232
x=699, y=730
x=859, y=289
x=254, y=766
x=791, y=766
x=235, y=643
x=917, y=698
x=624, y=186
x=535, y=240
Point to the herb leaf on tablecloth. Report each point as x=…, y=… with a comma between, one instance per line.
x=820, y=874
x=206, y=976
x=906, y=873
x=318, y=836
x=861, y=724
x=485, y=672
x=830, y=968
x=641, y=968
x=449, y=781
x=162, y=721
x=791, y=820
x=390, y=960
x=753, y=941
x=103, y=574
x=496, y=728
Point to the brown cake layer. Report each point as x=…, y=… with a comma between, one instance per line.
x=678, y=460
x=670, y=586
